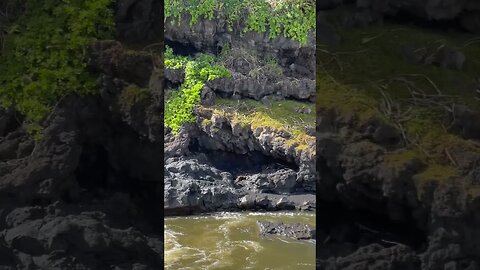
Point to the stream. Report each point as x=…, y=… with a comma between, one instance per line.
x=232, y=241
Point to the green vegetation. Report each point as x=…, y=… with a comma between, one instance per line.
x=284, y=113
x=281, y=115
x=260, y=67
x=369, y=75
x=434, y=175
x=292, y=18
x=180, y=103
x=373, y=59
x=45, y=52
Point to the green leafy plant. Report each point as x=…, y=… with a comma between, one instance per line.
x=180, y=103
x=292, y=18
x=174, y=61
x=44, y=58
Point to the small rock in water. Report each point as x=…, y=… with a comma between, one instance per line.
x=297, y=231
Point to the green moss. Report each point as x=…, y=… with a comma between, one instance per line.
x=132, y=95
x=437, y=174
x=282, y=115
x=399, y=158
x=371, y=59
x=45, y=53
x=333, y=95
x=368, y=75
x=206, y=123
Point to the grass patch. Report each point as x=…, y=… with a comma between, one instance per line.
x=399, y=158
x=367, y=74
x=371, y=59
x=282, y=115
x=333, y=95
x=434, y=174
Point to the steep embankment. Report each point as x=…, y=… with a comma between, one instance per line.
x=398, y=135
x=85, y=193
x=249, y=141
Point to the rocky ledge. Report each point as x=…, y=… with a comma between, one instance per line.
x=296, y=231
x=84, y=196
x=461, y=13
x=215, y=164
x=402, y=212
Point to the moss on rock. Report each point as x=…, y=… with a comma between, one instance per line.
x=132, y=95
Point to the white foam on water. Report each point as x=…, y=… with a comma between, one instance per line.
x=229, y=243
x=176, y=252
x=253, y=244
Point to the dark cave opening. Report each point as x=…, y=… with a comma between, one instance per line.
x=348, y=221
x=237, y=164
x=92, y=170
x=188, y=49
x=252, y=162
x=341, y=230
x=101, y=180
x=10, y=123
x=181, y=48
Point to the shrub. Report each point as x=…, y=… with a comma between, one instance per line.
x=44, y=58
x=180, y=103
x=292, y=18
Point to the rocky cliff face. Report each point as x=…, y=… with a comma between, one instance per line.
x=403, y=211
x=217, y=164
x=220, y=162
x=464, y=13
x=213, y=35
x=357, y=169
x=298, y=62
x=87, y=194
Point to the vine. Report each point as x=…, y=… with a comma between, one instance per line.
x=292, y=18
x=44, y=56
x=179, y=105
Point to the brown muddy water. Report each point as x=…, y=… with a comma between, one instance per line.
x=232, y=241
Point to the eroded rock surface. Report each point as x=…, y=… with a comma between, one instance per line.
x=235, y=170
x=87, y=194
x=461, y=12
x=357, y=170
